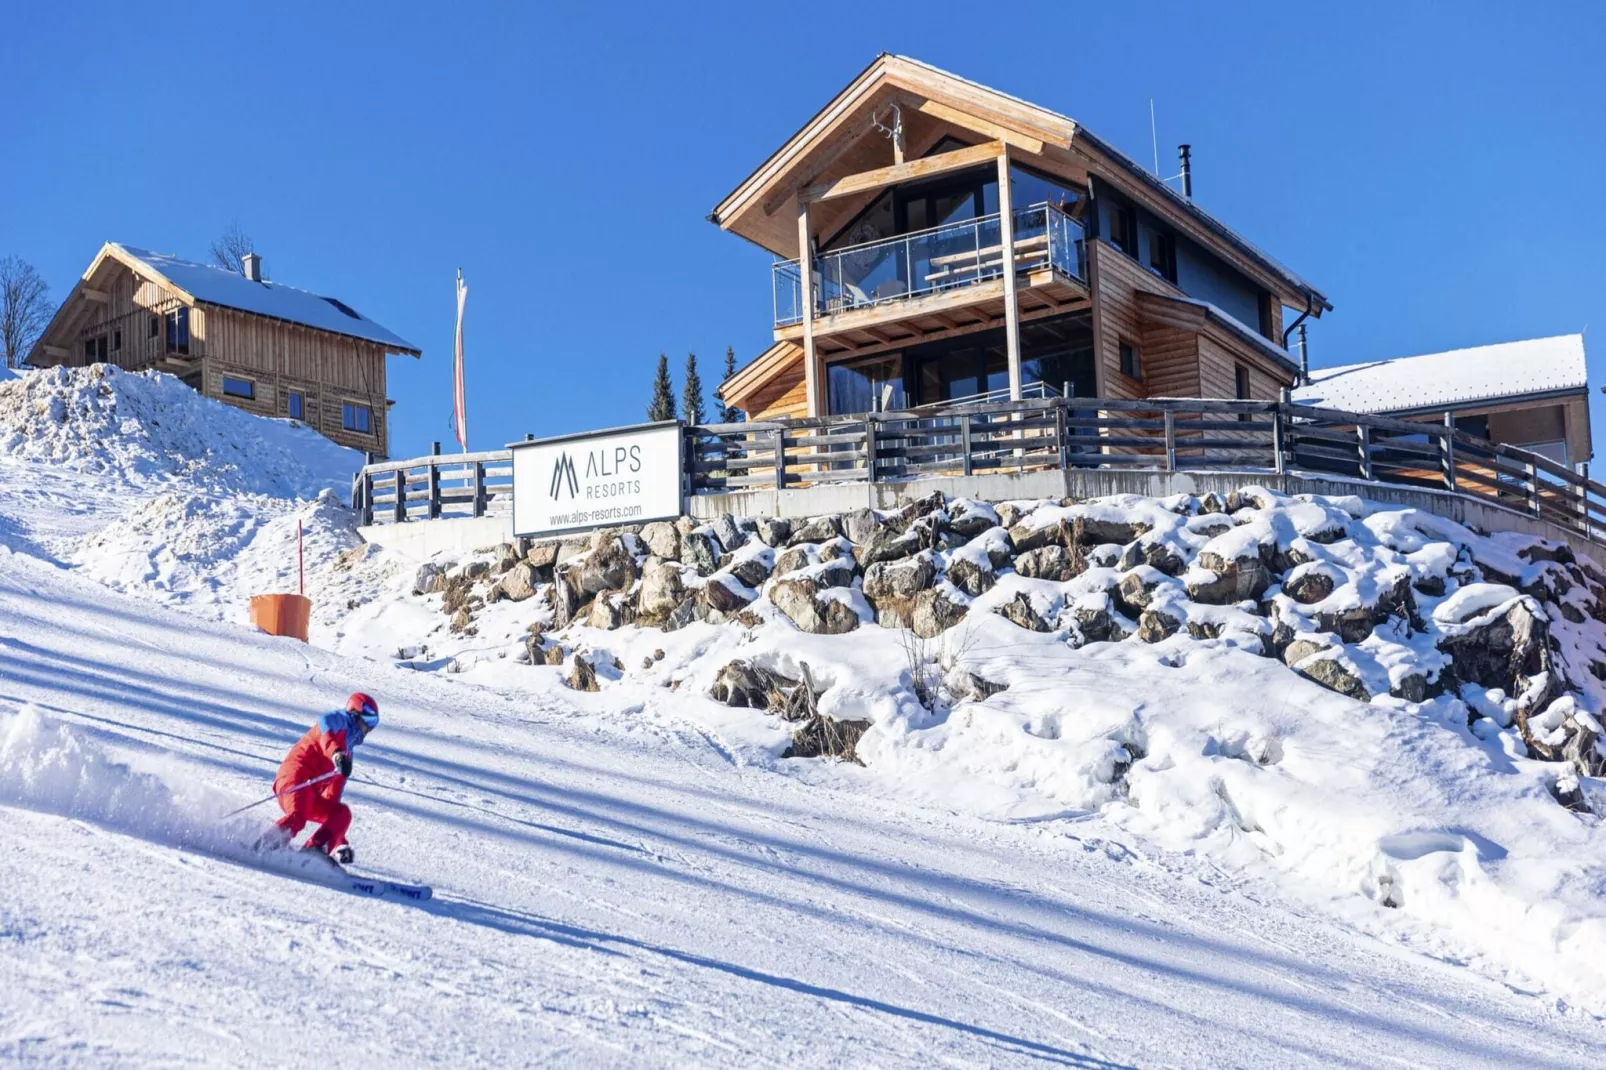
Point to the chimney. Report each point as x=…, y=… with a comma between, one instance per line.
x=1304, y=359
x=251, y=267
x=1186, y=154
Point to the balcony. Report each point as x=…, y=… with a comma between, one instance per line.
x=930, y=273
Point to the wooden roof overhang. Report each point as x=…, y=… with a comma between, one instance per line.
x=841, y=143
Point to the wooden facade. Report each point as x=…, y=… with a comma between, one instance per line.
x=123, y=313
x=810, y=192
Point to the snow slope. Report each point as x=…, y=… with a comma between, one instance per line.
x=614, y=887
x=637, y=877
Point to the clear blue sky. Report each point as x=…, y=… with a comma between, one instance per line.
x=1437, y=169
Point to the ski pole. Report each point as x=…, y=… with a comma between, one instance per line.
x=286, y=791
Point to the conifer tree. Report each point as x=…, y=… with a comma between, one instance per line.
x=691, y=397
x=728, y=414
x=663, y=393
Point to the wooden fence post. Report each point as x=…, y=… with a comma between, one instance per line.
x=1170, y=441
x=1363, y=434
x=1447, y=454
x=778, y=447
x=964, y=443
x=434, y=507
x=1583, y=498
x=479, y=488
x=1061, y=447
x=1279, y=459
x=869, y=446
x=400, y=512
x=1533, y=487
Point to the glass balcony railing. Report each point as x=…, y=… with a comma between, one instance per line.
x=930, y=261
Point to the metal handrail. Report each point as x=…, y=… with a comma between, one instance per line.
x=1063, y=241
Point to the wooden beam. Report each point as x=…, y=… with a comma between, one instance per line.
x=95, y=295
x=805, y=263
x=902, y=172
x=55, y=351
x=1006, y=237
x=1014, y=139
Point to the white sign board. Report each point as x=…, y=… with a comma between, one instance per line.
x=596, y=480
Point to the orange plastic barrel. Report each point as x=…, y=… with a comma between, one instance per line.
x=282, y=614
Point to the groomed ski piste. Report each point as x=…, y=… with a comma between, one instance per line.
x=637, y=877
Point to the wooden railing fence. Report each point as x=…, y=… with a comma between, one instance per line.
x=1167, y=434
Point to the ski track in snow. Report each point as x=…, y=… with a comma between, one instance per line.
x=616, y=882
x=608, y=898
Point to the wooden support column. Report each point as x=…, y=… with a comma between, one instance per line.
x=1006, y=237
x=805, y=264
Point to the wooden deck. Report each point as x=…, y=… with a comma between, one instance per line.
x=966, y=307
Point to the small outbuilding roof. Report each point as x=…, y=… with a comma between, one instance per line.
x=1510, y=370
x=219, y=286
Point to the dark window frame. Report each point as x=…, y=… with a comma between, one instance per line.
x=349, y=411
x=1127, y=241
x=250, y=392
x=1130, y=356
x=178, y=331
x=156, y=327
x=1164, y=264
x=295, y=404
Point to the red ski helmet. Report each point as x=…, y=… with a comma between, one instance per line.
x=365, y=709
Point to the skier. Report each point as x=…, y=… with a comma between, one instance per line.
x=326, y=748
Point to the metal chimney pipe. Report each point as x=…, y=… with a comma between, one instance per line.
x=1304, y=358
x=1185, y=152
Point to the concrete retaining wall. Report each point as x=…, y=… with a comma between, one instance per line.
x=421, y=539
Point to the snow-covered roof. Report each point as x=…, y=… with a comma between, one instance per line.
x=219, y=286
x=1456, y=378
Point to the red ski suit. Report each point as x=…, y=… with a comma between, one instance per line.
x=313, y=756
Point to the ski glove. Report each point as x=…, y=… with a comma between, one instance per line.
x=343, y=763
x=343, y=854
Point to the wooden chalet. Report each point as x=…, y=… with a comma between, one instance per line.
x=903, y=193
x=261, y=346
x=1532, y=394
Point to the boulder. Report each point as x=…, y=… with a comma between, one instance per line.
x=519, y=583
x=899, y=580
x=798, y=599
x=791, y=560
x=753, y=571
x=773, y=531
x=1097, y=622
x=1218, y=581
x=697, y=550
x=1046, y=563
x=1136, y=589
x=816, y=529
x=662, y=540
x=1026, y=538
x=826, y=737
x=968, y=519
x=971, y=576
x=726, y=598
x=934, y=613
x=836, y=573
x=1413, y=687
x=725, y=530
x=1019, y=612
x=1212, y=503
x=582, y=676
x=570, y=548
x=1297, y=650
x=1154, y=553
x=861, y=525
x=504, y=557
x=1308, y=588
x=567, y=597
x=462, y=620
x=745, y=686
x=1093, y=530
x=542, y=554
x=967, y=686
x=1432, y=586
x=1155, y=625
x=477, y=570
x=429, y=579
x=1334, y=675
x=611, y=611
x=1351, y=625
x=662, y=591
x=610, y=567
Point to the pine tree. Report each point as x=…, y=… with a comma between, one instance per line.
x=663, y=393
x=728, y=414
x=691, y=397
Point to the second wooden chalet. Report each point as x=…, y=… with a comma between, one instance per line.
x=904, y=192
x=258, y=345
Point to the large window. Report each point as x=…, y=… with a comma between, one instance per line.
x=1123, y=228
x=1057, y=352
x=178, y=331
x=358, y=418
x=1131, y=366
x=1163, y=255
x=239, y=388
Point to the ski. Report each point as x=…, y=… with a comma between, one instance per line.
x=381, y=889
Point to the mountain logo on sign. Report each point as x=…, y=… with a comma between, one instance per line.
x=563, y=474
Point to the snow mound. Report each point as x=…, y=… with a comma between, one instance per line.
x=149, y=427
